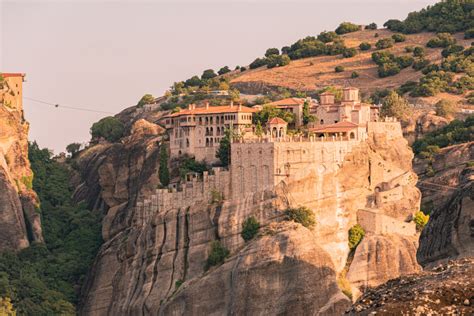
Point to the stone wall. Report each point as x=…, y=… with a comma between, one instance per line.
x=373, y=221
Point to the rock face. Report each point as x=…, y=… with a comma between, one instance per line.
x=19, y=219
x=446, y=289
x=449, y=233
x=422, y=122
x=153, y=263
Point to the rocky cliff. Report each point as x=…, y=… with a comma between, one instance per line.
x=449, y=191
x=19, y=218
x=155, y=262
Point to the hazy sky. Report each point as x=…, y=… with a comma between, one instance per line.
x=105, y=55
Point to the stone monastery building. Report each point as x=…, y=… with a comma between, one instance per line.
x=197, y=131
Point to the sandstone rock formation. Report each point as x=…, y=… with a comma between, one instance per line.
x=19, y=218
x=154, y=262
x=422, y=122
x=449, y=233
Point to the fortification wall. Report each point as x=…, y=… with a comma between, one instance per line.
x=373, y=221
x=390, y=128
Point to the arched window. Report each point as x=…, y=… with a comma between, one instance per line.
x=217, y=120
x=352, y=135
x=274, y=132
x=207, y=142
x=321, y=122
x=280, y=134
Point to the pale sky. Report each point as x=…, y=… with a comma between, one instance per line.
x=105, y=55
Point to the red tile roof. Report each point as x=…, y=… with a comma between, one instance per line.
x=214, y=110
x=339, y=127
x=277, y=120
x=11, y=74
x=288, y=102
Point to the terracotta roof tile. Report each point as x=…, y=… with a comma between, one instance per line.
x=11, y=74
x=277, y=120
x=335, y=128
x=288, y=101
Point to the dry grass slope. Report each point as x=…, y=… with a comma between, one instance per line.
x=314, y=73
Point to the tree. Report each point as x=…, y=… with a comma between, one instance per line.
x=441, y=40
x=223, y=152
x=277, y=61
x=258, y=129
x=395, y=106
x=420, y=220
x=356, y=234
x=109, y=128
x=445, y=108
x=146, y=99
x=194, y=81
x=384, y=43
x=307, y=117
x=208, y=74
x=354, y=75
x=217, y=254
x=371, y=26
x=259, y=62
x=418, y=51
x=223, y=70
x=347, y=27
x=327, y=37
x=339, y=69
x=349, y=52
x=234, y=94
x=163, y=172
x=398, y=38
x=73, y=148
x=272, y=51
x=365, y=46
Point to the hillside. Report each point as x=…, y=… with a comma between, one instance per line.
x=314, y=73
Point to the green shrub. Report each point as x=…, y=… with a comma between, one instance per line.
x=420, y=63
x=259, y=62
x=347, y=27
x=404, y=61
x=409, y=49
x=365, y=46
x=302, y=215
x=194, y=81
x=452, y=49
x=384, y=43
x=250, y=228
x=109, y=128
x=339, y=69
x=395, y=106
x=146, y=99
x=242, y=69
x=224, y=70
x=354, y=75
x=217, y=255
x=73, y=148
x=163, y=172
x=356, y=234
x=441, y=40
x=420, y=220
x=469, y=33
x=327, y=37
x=445, y=108
x=418, y=51
x=277, y=61
x=349, y=52
x=398, y=38
x=208, y=74
x=272, y=51
x=388, y=69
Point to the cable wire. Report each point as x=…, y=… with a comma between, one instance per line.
x=57, y=105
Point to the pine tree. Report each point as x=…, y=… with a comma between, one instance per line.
x=258, y=129
x=164, y=172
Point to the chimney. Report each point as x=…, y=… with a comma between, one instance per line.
x=231, y=104
x=190, y=106
x=207, y=105
x=240, y=105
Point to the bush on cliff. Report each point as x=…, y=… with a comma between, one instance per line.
x=217, y=255
x=356, y=234
x=109, y=128
x=250, y=228
x=420, y=220
x=302, y=215
x=146, y=99
x=164, y=172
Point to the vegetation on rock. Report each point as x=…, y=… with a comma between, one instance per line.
x=445, y=108
x=420, y=220
x=146, y=99
x=356, y=234
x=163, y=172
x=45, y=279
x=217, y=254
x=302, y=215
x=384, y=43
x=455, y=132
x=364, y=46
x=395, y=106
x=250, y=228
x=347, y=27
x=109, y=128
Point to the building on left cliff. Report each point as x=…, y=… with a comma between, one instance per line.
x=197, y=131
x=11, y=89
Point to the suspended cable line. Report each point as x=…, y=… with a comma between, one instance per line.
x=57, y=105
